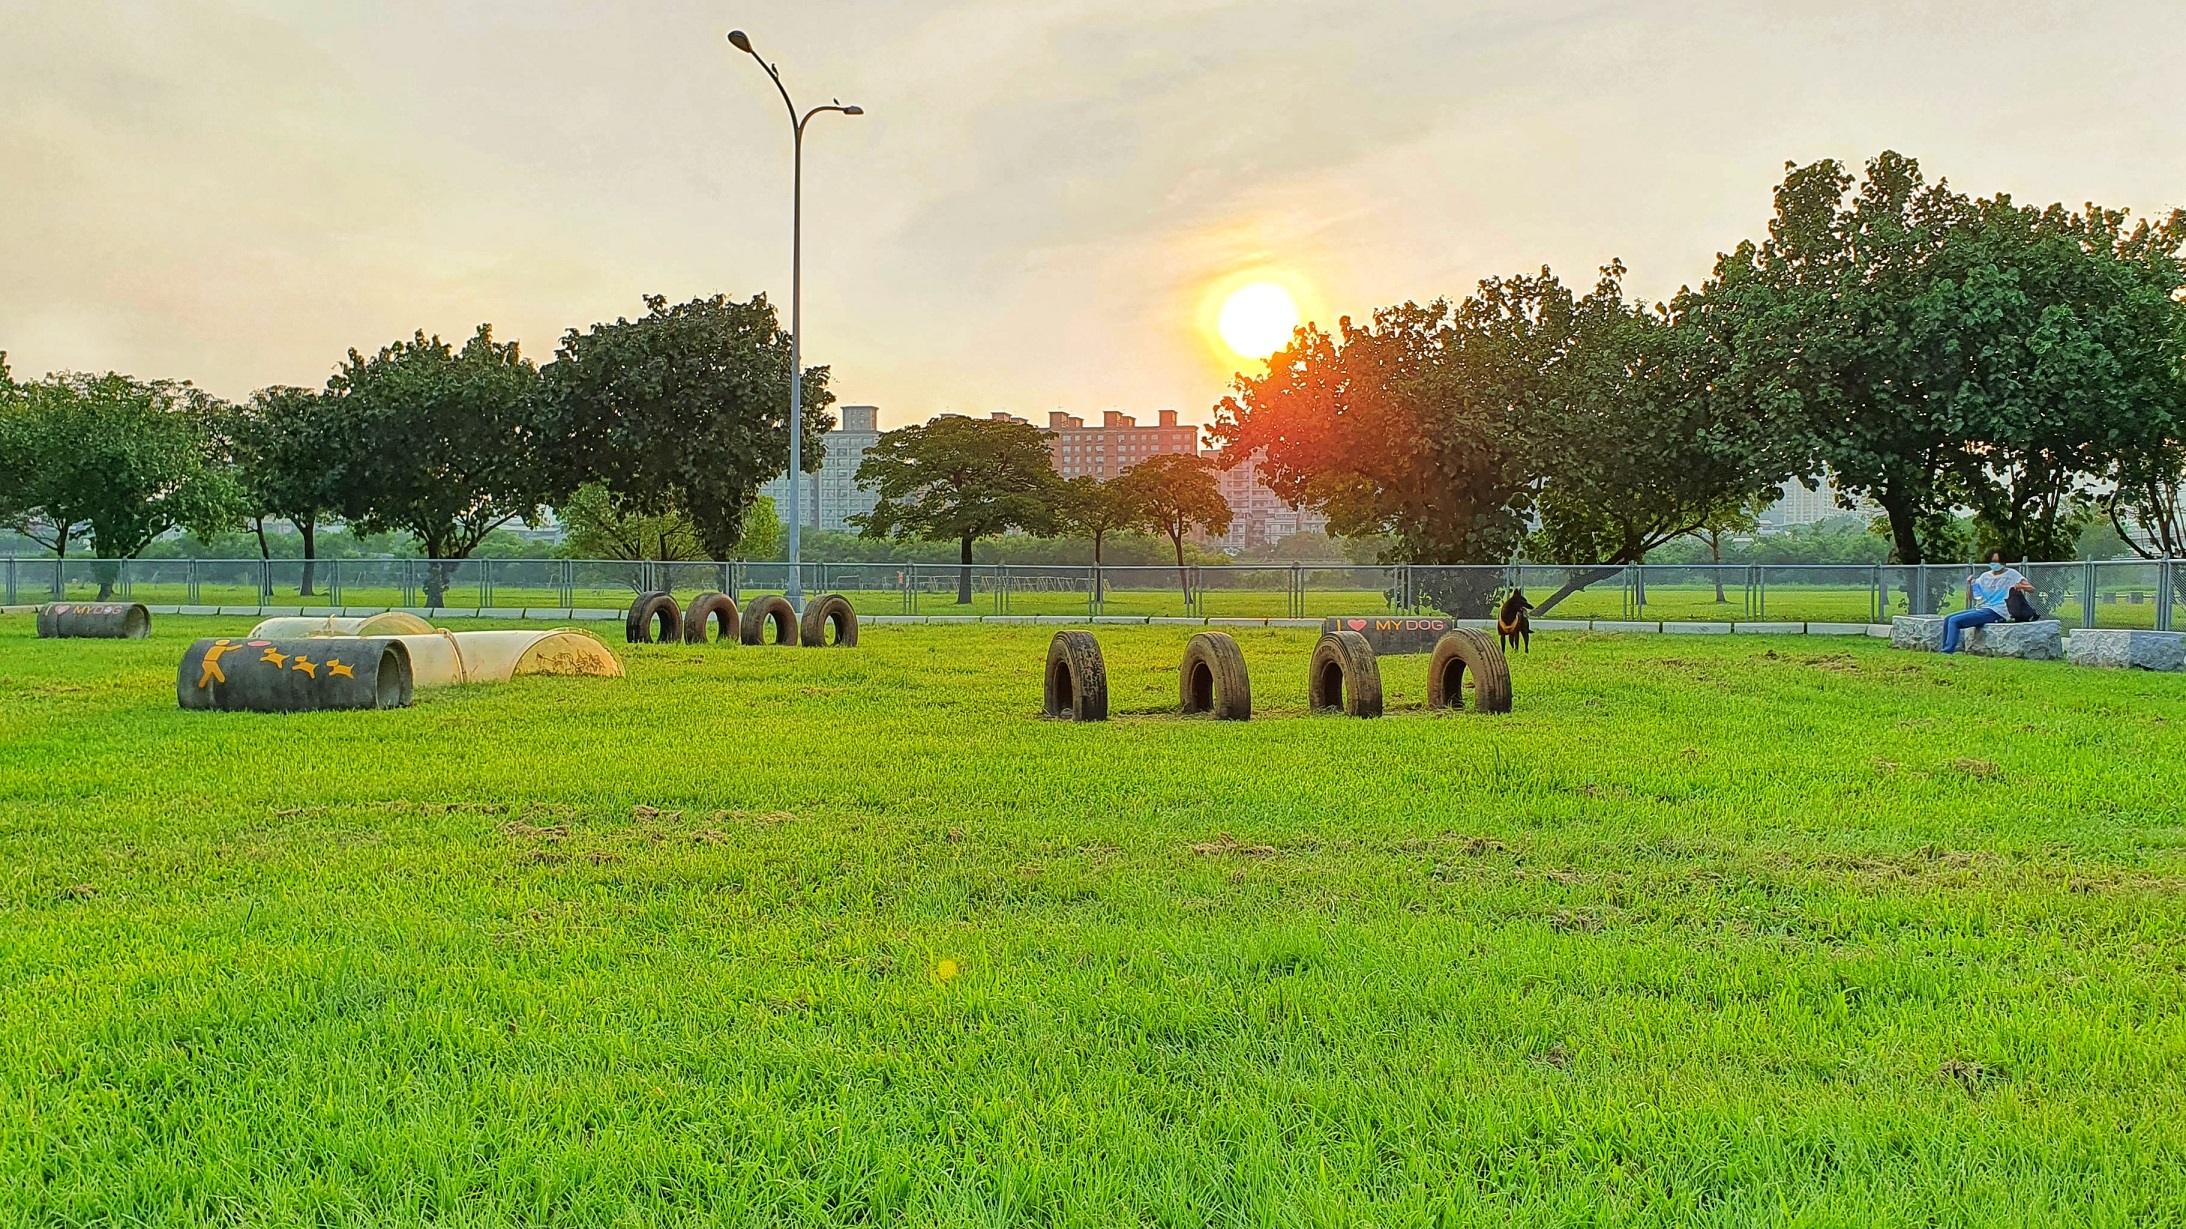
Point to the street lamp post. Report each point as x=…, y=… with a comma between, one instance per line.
x=797, y=124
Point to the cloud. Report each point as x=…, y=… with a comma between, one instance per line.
x=1032, y=210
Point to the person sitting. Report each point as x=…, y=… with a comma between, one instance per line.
x=1988, y=595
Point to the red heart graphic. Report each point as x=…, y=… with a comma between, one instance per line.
x=1357, y=625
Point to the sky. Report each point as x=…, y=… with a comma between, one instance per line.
x=1045, y=200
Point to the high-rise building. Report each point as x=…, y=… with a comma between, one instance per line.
x=1116, y=445
x=1799, y=506
x=832, y=496
x=1258, y=515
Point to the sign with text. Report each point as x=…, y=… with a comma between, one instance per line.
x=1393, y=634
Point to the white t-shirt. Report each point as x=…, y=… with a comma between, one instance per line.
x=1991, y=588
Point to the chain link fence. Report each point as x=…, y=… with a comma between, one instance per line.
x=2127, y=594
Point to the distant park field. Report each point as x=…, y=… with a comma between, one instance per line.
x=1709, y=931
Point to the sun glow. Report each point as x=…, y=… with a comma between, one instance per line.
x=1257, y=319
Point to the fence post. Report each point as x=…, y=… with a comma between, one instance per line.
x=11, y=580
x=2087, y=602
x=2166, y=578
x=1881, y=598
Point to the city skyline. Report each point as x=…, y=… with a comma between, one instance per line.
x=1044, y=207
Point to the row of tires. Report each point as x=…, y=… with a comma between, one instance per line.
x=828, y=622
x=1344, y=676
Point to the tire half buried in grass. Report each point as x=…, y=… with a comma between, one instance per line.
x=653, y=611
x=256, y=675
x=94, y=621
x=1462, y=651
x=831, y=613
x=1076, y=681
x=774, y=611
x=1213, y=679
x=1344, y=676
x=714, y=612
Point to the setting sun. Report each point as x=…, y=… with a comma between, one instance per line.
x=1257, y=320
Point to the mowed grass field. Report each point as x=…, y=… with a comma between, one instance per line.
x=1708, y=931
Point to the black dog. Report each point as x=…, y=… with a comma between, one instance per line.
x=1512, y=628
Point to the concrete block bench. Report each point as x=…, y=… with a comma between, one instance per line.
x=1920, y=633
x=2126, y=649
x=2041, y=640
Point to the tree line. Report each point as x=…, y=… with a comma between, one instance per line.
x=680, y=411
x=1991, y=375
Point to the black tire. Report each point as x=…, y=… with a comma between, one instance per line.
x=651, y=610
x=1213, y=679
x=1466, y=651
x=1344, y=676
x=718, y=609
x=832, y=610
x=772, y=610
x=1076, y=681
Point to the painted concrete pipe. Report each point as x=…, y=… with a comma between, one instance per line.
x=300, y=675
x=94, y=621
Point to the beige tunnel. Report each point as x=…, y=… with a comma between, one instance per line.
x=387, y=623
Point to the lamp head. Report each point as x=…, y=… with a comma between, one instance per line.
x=853, y=110
x=738, y=41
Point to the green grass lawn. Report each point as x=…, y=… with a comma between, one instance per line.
x=1709, y=931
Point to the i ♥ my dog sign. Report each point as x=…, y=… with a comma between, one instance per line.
x=1393, y=634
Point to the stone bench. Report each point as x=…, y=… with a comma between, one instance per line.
x=2125, y=649
x=2041, y=640
x=1920, y=633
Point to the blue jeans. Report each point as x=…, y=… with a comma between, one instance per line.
x=1957, y=623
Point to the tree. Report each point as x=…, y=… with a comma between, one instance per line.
x=762, y=537
x=2058, y=335
x=121, y=461
x=960, y=479
x=685, y=407
x=289, y=447
x=443, y=443
x=1173, y=494
x=599, y=524
x=1742, y=516
x=1096, y=509
x=1451, y=427
x=1407, y=426
x=1823, y=321
x=1635, y=439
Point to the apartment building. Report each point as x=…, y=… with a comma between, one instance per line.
x=832, y=496
x=1118, y=443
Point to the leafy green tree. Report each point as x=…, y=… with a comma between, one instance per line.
x=1635, y=439
x=1821, y=320
x=1408, y=426
x=598, y=524
x=121, y=461
x=442, y=443
x=2058, y=336
x=1096, y=509
x=1740, y=516
x=685, y=407
x=960, y=479
x=762, y=536
x=289, y=445
x=1173, y=494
